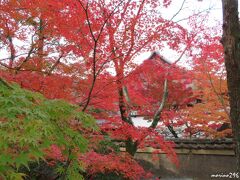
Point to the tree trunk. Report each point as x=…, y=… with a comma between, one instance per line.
x=40, y=45
x=231, y=44
x=131, y=147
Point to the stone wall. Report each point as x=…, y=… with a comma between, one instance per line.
x=197, y=164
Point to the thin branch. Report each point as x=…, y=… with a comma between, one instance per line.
x=12, y=51
x=88, y=20
x=156, y=117
x=94, y=78
x=220, y=97
x=178, y=10
x=170, y=128
x=133, y=29
x=55, y=64
x=126, y=95
x=28, y=54
x=200, y=12
x=106, y=20
x=9, y=58
x=95, y=39
x=181, y=55
x=5, y=65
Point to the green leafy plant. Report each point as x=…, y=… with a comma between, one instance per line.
x=30, y=124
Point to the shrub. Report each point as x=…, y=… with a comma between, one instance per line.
x=30, y=124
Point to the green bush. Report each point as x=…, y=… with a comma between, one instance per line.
x=29, y=124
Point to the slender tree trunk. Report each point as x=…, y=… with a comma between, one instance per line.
x=12, y=50
x=40, y=44
x=131, y=147
x=231, y=44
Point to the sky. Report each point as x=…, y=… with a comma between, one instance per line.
x=214, y=8
x=190, y=6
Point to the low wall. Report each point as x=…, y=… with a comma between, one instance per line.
x=194, y=164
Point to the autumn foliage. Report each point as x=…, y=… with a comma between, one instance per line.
x=85, y=53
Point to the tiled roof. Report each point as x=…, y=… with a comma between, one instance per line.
x=157, y=54
x=206, y=144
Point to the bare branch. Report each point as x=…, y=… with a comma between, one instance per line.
x=181, y=55
x=156, y=117
x=178, y=10
x=55, y=64
x=28, y=54
x=9, y=58
x=197, y=14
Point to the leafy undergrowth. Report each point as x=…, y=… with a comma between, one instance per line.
x=51, y=139
x=30, y=124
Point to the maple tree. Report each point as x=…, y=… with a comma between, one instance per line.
x=125, y=41
x=31, y=126
x=210, y=111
